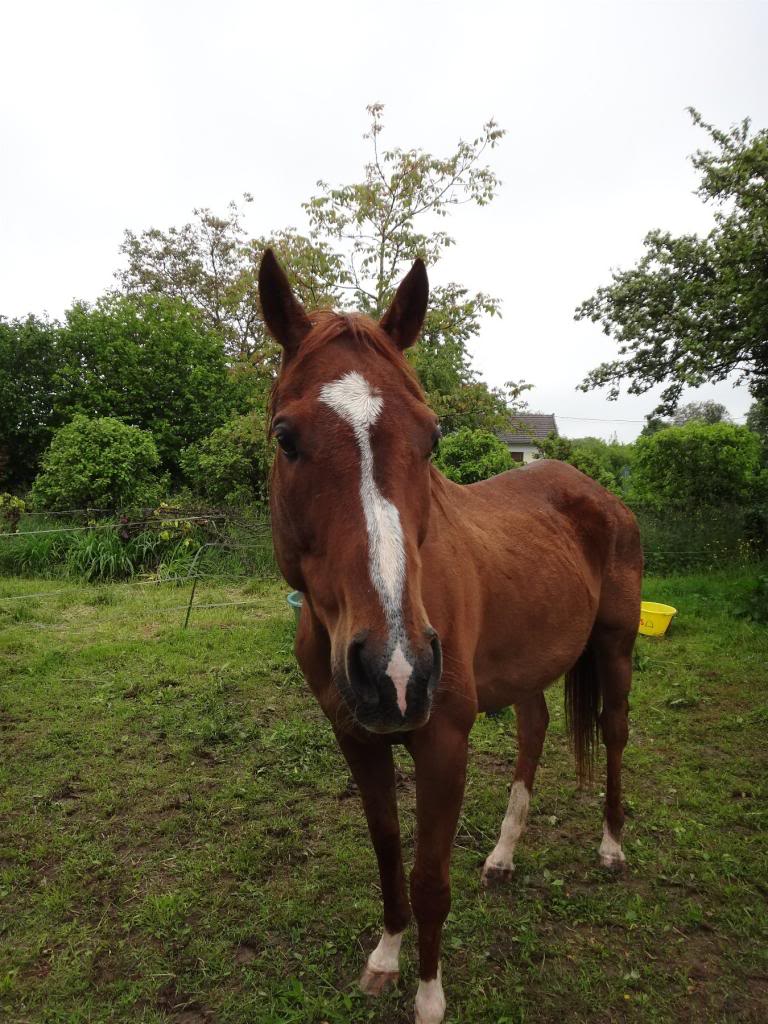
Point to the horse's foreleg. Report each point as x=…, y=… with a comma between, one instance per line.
x=440, y=757
x=373, y=770
x=532, y=722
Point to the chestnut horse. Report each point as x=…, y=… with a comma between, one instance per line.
x=427, y=602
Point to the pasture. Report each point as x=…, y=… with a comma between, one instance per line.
x=180, y=841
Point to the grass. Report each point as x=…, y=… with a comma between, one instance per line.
x=179, y=840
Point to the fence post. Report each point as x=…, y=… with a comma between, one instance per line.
x=191, y=599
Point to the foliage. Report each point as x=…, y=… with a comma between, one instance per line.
x=757, y=421
x=694, y=309
x=30, y=360
x=11, y=510
x=701, y=412
x=692, y=412
x=588, y=458
x=755, y=604
x=703, y=537
x=698, y=464
x=467, y=456
x=374, y=219
x=231, y=466
x=212, y=264
x=362, y=236
x=98, y=463
x=148, y=361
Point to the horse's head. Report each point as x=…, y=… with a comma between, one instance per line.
x=350, y=493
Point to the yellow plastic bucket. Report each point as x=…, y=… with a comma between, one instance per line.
x=655, y=618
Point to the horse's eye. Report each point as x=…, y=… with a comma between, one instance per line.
x=436, y=440
x=287, y=442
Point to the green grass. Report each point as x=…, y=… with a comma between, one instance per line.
x=179, y=840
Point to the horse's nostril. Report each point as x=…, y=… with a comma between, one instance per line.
x=437, y=661
x=358, y=674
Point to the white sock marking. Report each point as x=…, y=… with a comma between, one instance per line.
x=611, y=853
x=512, y=827
x=386, y=956
x=353, y=399
x=430, y=1001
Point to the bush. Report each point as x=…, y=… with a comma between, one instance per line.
x=470, y=455
x=697, y=465
x=231, y=466
x=98, y=463
x=11, y=509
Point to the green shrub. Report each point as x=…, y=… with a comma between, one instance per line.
x=11, y=509
x=99, y=463
x=697, y=465
x=755, y=605
x=467, y=456
x=231, y=466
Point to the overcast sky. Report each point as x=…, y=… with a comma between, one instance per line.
x=125, y=115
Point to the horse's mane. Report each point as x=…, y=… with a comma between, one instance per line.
x=327, y=326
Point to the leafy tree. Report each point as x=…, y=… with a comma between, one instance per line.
x=757, y=421
x=361, y=237
x=701, y=412
x=98, y=463
x=212, y=264
x=147, y=360
x=587, y=458
x=467, y=456
x=30, y=359
x=231, y=466
x=695, y=310
x=697, y=464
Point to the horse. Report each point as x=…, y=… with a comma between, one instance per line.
x=427, y=602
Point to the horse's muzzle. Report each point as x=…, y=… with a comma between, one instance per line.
x=388, y=688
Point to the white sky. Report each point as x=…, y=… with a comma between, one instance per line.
x=117, y=114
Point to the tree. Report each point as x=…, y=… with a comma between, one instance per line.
x=30, y=359
x=148, y=361
x=231, y=466
x=697, y=464
x=695, y=310
x=467, y=456
x=361, y=237
x=212, y=264
x=98, y=463
x=757, y=422
x=701, y=412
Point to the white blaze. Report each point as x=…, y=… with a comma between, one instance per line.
x=353, y=399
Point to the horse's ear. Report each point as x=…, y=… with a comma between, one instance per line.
x=404, y=318
x=284, y=315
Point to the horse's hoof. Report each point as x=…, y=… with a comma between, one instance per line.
x=373, y=983
x=616, y=863
x=496, y=875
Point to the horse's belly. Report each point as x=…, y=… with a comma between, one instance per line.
x=527, y=640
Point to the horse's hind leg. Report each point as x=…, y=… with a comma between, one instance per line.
x=532, y=722
x=613, y=656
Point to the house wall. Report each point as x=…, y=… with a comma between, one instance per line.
x=528, y=451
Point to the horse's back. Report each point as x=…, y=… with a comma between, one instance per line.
x=545, y=552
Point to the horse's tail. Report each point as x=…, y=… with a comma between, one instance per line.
x=582, y=711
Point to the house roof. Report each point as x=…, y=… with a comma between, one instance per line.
x=528, y=428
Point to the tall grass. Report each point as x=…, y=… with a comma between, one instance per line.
x=104, y=551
